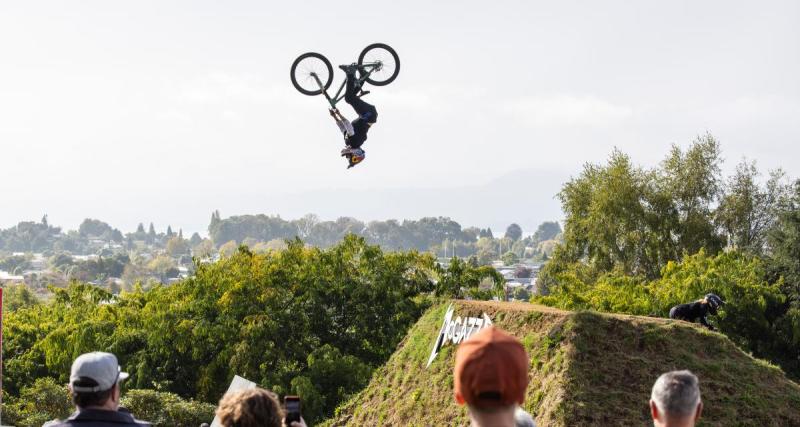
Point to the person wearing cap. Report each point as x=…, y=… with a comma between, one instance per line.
x=675, y=400
x=490, y=377
x=94, y=386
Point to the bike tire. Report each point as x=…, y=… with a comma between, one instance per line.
x=392, y=63
x=302, y=67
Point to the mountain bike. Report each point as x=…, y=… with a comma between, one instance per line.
x=312, y=73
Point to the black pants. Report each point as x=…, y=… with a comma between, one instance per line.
x=365, y=111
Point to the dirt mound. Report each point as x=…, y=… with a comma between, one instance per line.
x=586, y=369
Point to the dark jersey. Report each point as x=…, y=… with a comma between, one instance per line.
x=691, y=312
x=360, y=128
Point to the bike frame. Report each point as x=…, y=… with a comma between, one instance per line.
x=369, y=68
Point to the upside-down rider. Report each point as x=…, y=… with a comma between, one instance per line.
x=355, y=133
x=698, y=309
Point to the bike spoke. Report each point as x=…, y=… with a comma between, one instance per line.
x=307, y=68
x=381, y=63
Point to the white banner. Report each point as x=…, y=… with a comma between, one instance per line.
x=457, y=330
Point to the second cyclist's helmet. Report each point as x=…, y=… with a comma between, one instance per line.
x=714, y=302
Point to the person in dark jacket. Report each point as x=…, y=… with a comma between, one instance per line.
x=697, y=310
x=94, y=386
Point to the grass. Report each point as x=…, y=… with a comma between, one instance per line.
x=586, y=369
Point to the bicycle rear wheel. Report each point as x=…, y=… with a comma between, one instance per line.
x=387, y=61
x=305, y=67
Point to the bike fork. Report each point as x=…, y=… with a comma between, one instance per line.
x=324, y=92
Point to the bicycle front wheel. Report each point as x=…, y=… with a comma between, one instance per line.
x=306, y=67
x=382, y=60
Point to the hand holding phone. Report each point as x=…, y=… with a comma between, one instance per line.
x=292, y=405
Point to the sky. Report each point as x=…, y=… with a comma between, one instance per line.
x=163, y=111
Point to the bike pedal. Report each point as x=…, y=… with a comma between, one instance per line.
x=363, y=92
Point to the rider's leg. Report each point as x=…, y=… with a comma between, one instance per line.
x=365, y=110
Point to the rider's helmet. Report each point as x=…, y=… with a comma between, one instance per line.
x=714, y=302
x=355, y=157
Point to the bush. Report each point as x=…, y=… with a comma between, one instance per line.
x=167, y=409
x=43, y=401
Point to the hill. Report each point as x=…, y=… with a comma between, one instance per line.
x=586, y=369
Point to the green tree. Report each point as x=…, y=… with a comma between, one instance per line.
x=622, y=217
x=747, y=210
x=513, y=232
x=547, y=230
x=177, y=246
x=163, y=266
x=460, y=279
x=42, y=401
x=195, y=239
x=693, y=180
x=18, y=296
x=167, y=409
x=204, y=249
x=510, y=258
x=228, y=248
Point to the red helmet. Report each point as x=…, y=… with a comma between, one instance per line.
x=355, y=157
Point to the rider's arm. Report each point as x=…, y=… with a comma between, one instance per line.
x=345, y=126
x=705, y=323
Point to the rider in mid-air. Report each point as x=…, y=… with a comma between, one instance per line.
x=698, y=309
x=355, y=133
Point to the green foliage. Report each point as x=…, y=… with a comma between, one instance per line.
x=167, y=409
x=42, y=401
x=98, y=229
x=622, y=217
x=642, y=240
x=520, y=293
x=513, y=232
x=747, y=317
x=547, y=230
x=461, y=279
x=304, y=320
x=420, y=234
x=784, y=263
x=15, y=264
x=509, y=258
x=18, y=296
x=747, y=211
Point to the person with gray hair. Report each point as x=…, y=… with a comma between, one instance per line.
x=675, y=400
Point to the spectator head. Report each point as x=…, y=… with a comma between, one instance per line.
x=675, y=400
x=94, y=381
x=491, y=375
x=253, y=407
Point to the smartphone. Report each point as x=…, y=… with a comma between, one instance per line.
x=292, y=405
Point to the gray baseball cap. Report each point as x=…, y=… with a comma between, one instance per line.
x=101, y=367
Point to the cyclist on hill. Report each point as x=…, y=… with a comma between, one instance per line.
x=355, y=133
x=698, y=309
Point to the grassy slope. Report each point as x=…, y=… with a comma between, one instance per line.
x=586, y=369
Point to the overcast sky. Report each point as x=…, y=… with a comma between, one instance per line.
x=162, y=111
